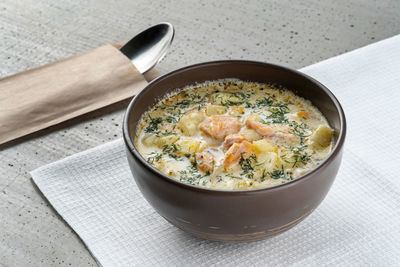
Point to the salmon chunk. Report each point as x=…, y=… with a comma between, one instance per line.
x=236, y=151
x=218, y=127
x=204, y=162
x=233, y=138
x=271, y=130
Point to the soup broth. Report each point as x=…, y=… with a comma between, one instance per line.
x=234, y=135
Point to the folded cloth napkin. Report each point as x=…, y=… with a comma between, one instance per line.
x=38, y=98
x=357, y=224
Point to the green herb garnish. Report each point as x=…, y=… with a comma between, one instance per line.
x=171, y=119
x=299, y=155
x=280, y=174
x=153, y=124
x=247, y=165
x=298, y=129
x=170, y=151
x=277, y=110
x=154, y=156
x=265, y=102
x=192, y=176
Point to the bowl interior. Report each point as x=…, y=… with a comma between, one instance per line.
x=295, y=81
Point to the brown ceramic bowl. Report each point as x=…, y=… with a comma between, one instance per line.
x=244, y=215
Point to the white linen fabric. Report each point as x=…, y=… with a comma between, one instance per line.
x=357, y=224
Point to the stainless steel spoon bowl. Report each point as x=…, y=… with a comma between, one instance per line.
x=147, y=48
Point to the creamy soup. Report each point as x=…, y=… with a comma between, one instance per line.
x=234, y=135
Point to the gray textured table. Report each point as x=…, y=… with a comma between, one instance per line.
x=33, y=33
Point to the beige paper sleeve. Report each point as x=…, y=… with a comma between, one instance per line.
x=42, y=97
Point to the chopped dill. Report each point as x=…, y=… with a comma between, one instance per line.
x=194, y=163
x=192, y=176
x=165, y=133
x=235, y=99
x=171, y=119
x=153, y=124
x=154, y=156
x=166, y=150
x=280, y=174
x=278, y=113
x=298, y=129
x=233, y=176
x=194, y=99
x=247, y=165
x=262, y=178
x=299, y=155
x=170, y=151
x=248, y=104
x=277, y=110
x=265, y=102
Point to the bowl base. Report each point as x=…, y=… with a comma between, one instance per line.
x=238, y=238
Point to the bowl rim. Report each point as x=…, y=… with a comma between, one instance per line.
x=129, y=143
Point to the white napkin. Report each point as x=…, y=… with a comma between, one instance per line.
x=358, y=223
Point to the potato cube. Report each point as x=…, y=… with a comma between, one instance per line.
x=187, y=146
x=243, y=184
x=215, y=110
x=322, y=137
x=166, y=140
x=149, y=139
x=236, y=111
x=263, y=145
x=189, y=123
x=154, y=140
x=225, y=98
x=267, y=162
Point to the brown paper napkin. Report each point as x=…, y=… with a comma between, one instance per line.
x=44, y=96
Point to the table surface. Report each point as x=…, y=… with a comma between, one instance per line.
x=291, y=33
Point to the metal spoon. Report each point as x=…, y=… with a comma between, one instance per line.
x=147, y=48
